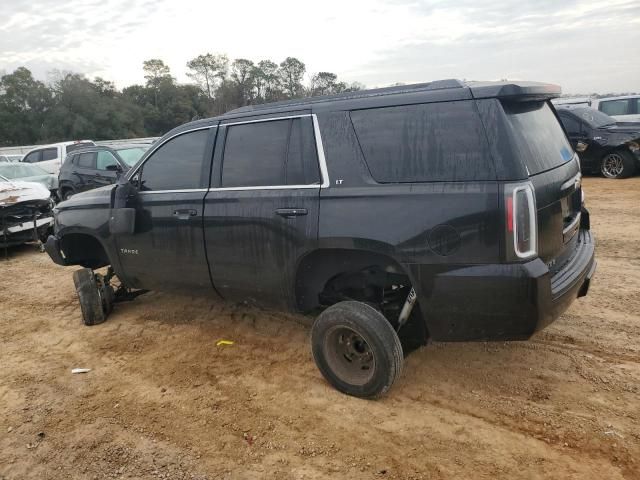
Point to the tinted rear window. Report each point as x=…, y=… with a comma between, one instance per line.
x=539, y=140
x=422, y=143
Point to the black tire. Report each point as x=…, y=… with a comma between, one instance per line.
x=356, y=349
x=89, y=296
x=618, y=164
x=67, y=193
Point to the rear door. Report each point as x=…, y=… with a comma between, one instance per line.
x=166, y=251
x=83, y=171
x=261, y=215
x=50, y=160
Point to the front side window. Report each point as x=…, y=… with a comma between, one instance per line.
x=571, y=124
x=105, y=159
x=49, y=154
x=615, y=107
x=270, y=153
x=177, y=164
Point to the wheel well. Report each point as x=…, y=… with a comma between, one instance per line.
x=328, y=276
x=83, y=249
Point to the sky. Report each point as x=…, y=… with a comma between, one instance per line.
x=584, y=46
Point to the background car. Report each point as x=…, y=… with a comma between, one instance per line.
x=25, y=212
x=97, y=166
x=604, y=145
x=10, y=158
x=30, y=173
x=623, y=109
x=50, y=157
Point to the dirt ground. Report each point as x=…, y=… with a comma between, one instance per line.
x=163, y=401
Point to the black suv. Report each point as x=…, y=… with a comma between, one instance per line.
x=445, y=210
x=96, y=166
x=605, y=146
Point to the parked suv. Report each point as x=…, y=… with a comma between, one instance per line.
x=50, y=157
x=445, y=210
x=96, y=166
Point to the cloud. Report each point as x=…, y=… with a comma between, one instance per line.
x=583, y=45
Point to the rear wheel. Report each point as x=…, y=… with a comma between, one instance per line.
x=356, y=349
x=90, y=294
x=618, y=164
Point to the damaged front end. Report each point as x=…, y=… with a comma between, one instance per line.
x=26, y=213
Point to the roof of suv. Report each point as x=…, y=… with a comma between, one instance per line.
x=477, y=89
x=439, y=90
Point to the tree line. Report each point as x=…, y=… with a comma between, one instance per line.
x=71, y=106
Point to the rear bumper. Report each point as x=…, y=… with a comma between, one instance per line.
x=503, y=301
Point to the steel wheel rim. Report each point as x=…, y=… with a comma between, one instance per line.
x=612, y=165
x=349, y=355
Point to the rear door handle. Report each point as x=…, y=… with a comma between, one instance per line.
x=291, y=212
x=185, y=214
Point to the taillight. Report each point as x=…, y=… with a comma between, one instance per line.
x=521, y=221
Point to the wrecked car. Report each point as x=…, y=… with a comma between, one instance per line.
x=449, y=211
x=605, y=146
x=26, y=212
x=30, y=173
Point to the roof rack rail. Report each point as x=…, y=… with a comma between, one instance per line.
x=397, y=89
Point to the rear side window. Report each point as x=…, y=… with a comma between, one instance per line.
x=87, y=160
x=271, y=153
x=615, y=107
x=177, y=164
x=49, y=154
x=538, y=139
x=424, y=143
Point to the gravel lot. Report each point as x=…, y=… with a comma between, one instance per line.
x=163, y=401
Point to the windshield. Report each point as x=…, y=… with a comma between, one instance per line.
x=539, y=139
x=593, y=117
x=131, y=155
x=20, y=170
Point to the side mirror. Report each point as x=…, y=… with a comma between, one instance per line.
x=114, y=167
x=581, y=146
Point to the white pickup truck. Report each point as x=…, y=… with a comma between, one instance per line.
x=50, y=157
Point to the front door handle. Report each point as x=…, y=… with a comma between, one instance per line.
x=185, y=214
x=291, y=212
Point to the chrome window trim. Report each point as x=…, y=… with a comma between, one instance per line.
x=322, y=161
x=184, y=190
x=133, y=172
x=324, y=173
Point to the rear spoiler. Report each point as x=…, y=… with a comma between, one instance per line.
x=515, y=91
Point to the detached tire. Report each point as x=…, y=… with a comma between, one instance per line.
x=89, y=296
x=356, y=349
x=618, y=164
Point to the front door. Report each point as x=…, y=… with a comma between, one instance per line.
x=166, y=251
x=262, y=214
x=106, y=165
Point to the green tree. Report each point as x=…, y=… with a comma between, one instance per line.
x=208, y=71
x=156, y=73
x=242, y=74
x=24, y=103
x=291, y=73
